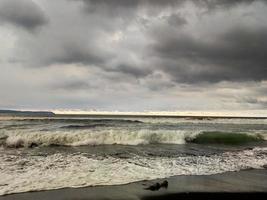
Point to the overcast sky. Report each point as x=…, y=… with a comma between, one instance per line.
x=133, y=55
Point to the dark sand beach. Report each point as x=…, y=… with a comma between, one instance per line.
x=243, y=184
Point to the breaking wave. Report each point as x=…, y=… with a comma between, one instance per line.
x=225, y=138
x=124, y=137
x=79, y=138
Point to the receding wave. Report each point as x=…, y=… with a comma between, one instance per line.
x=31, y=173
x=124, y=137
x=224, y=138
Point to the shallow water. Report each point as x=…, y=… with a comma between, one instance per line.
x=75, y=152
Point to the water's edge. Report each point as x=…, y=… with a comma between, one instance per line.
x=230, y=182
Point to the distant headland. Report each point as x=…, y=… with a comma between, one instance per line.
x=27, y=113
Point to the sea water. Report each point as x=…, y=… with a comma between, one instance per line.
x=57, y=152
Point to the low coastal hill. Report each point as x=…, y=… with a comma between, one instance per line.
x=26, y=113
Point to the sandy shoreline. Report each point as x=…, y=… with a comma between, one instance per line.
x=243, y=183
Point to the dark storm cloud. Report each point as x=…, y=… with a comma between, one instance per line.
x=77, y=53
x=237, y=54
x=114, y=9
x=126, y=9
x=134, y=54
x=213, y=4
x=210, y=4
x=130, y=3
x=132, y=70
x=22, y=13
x=116, y=3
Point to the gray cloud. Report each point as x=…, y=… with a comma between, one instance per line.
x=130, y=3
x=176, y=20
x=134, y=54
x=77, y=53
x=132, y=70
x=259, y=103
x=237, y=54
x=126, y=8
x=22, y=13
x=222, y=3
x=135, y=3
x=71, y=85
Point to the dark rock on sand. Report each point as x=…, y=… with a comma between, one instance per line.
x=164, y=184
x=157, y=186
x=153, y=187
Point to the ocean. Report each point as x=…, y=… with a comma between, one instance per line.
x=43, y=153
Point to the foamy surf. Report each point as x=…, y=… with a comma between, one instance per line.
x=106, y=137
x=124, y=137
x=32, y=173
x=47, y=167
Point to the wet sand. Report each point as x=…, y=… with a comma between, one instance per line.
x=244, y=184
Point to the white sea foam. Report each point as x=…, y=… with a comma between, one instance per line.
x=103, y=137
x=86, y=137
x=31, y=173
